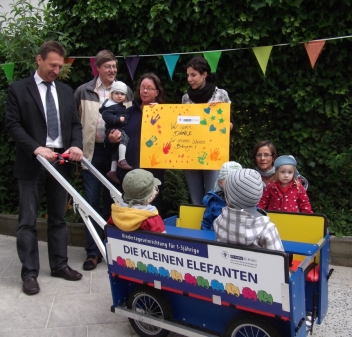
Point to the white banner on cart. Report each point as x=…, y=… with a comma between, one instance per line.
x=237, y=276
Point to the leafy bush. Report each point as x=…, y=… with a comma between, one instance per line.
x=305, y=112
x=22, y=33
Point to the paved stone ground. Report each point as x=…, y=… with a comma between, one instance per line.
x=82, y=309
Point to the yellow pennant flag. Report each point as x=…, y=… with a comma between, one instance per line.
x=262, y=54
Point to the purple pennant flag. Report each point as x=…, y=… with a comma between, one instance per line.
x=94, y=68
x=132, y=62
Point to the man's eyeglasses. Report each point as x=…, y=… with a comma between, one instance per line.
x=265, y=155
x=148, y=89
x=111, y=67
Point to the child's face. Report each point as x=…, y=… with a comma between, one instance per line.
x=118, y=97
x=221, y=183
x=286, y=173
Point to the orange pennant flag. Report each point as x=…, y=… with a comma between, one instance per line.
x=69, y=60
x=313, y=49
x=68, y=63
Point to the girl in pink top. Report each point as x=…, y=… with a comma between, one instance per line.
x=285, y=193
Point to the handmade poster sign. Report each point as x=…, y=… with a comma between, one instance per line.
x=185, y=136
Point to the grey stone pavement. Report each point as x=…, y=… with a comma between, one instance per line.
x=82, y=309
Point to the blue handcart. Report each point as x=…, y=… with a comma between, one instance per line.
x=186, y=282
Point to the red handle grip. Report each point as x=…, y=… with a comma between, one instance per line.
x=63, y=155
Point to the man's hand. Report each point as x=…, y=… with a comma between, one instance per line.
x=45, y=153
x=75, y=152
x=115, y=136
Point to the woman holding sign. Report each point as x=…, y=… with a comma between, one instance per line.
x=202, y=90
x=149, y=92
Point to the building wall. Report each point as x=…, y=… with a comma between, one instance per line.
x=5, y=4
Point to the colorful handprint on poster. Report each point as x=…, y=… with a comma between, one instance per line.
x=185, y=136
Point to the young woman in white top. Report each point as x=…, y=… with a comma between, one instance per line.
x=202, y=90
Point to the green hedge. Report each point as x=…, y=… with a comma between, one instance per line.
x=305, y=112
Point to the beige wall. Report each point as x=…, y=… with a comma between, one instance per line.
x=5, y=4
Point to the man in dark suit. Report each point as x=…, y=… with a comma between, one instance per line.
x=42, y=118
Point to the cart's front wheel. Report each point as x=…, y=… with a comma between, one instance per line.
x=246, y=325
x=149, y=301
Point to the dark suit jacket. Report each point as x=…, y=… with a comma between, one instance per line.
x=26, y=124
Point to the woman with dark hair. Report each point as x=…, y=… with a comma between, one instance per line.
x=264, y=155
x=149, y=92
x=202, y=90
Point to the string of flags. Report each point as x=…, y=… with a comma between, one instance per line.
x=262, y=54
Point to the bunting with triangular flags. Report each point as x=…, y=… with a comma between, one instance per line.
x=314, y=49
x=94, y=67
x=132, y=62
x=171, y=61
x=213, y=58
x=262, y=54
x=8, y=69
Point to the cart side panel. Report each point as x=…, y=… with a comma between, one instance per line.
x=212, y=317
x=120, y=289
x=323, y=280
x=298, y=306
x=203, y=314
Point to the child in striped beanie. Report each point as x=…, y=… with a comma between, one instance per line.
x=240, y=222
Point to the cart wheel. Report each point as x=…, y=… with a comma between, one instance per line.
x=151, y=302
x=251, y=326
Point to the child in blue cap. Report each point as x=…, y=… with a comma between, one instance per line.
x=285, y=193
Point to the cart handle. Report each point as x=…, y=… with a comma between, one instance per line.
x=62, y=157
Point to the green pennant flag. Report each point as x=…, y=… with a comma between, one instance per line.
x=213, y=58
x=8, y=69
x=262, y=54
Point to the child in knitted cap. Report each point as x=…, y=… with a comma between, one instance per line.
x=135, y=211
x=285, y=193
x=115, y=115
x=239, y=222
x=214, y=200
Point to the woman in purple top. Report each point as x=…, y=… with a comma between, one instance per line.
x=149, y=91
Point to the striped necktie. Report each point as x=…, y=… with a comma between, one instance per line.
x=51, y=113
